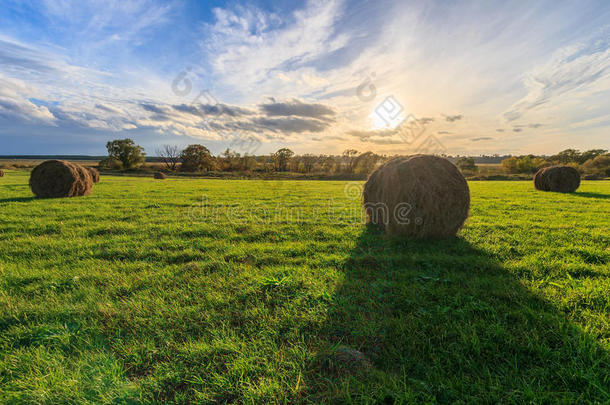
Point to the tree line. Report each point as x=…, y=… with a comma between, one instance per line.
x=594, y=161
x=124, y=154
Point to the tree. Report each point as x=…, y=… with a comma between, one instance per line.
x=170, y=156
x=195, y=158
x=598, y=165
x=524, y=164
x=566, y=156
x=349, y=156
x=127, y=152
x=466, y=163
x=281, y=159
x=591, y=154
x=308, y=161
x=366, y=162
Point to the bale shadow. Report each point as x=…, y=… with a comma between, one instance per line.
x=591, y=195
x=17, y=199
x=442, y=321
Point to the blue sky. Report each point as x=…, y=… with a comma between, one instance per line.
x=476, y=76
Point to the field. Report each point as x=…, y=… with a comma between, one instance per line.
x=199, y=291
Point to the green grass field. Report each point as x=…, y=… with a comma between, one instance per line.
x=202, y=291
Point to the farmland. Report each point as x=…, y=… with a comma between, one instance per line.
x=201, y=290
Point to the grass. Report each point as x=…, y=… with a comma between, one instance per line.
x=201, y=291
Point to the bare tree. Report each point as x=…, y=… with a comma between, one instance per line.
x=170, y=156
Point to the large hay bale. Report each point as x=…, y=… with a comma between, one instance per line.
x=419, y=196
x=160, y=176
x=56, y=178
x=563, y=179
x=1, y=173
x=95, y=175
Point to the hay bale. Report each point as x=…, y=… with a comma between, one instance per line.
x=419, y=196
x=57, y=178
x=563, y=179
x=95, y=175
x=1, y=173
x=160, y=176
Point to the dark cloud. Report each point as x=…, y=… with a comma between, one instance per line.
x=297, y=108
x=292, y=124
x=483, y=138
x=452, y=118
x=517, y=129
x=534, y=125
x=107, y=108
x=154, y=109
x=499, y=130
x=425, y=120
x=379, y=133
x=14, y=56
x=215, y=110
x=443, y=132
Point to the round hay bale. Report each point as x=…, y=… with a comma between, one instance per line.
x=1, y=173
x=160, y=176
x=419, y=196
x=95, y=175
x=563, y=179
x=56, y=178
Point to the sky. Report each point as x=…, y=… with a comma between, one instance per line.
x=392, y=77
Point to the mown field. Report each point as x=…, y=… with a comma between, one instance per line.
x=203, y=291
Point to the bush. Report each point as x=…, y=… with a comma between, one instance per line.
x=127, y=152
x=110, y=163
x=599, y=165
x=196, y=158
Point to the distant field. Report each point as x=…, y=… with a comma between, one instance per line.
x=198, y=290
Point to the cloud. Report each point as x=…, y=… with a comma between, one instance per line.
x=575, y=67
x=212, y=110
x=499, y=130
x=452, y=118
x=483, y=138
x=297, y=108
x=517, y=129
x=425, y=120
x=248, y=47
x=293, y=125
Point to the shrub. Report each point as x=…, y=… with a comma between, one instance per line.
x=110, y=163
x=195, y=158
x=127, y=152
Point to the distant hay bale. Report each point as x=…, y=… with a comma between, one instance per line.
x=95, y=175
x=160, y=176
x=1, y=173
x=56, y=179
x=419, y=196
x=563, y=179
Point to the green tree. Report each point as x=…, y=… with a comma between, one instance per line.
x=281, y=159
x=127, y=152
x=466, y=163
x=195, y=158
x=591, y=154
x=599, y=165
x=566, y=156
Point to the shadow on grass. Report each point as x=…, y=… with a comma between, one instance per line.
x=591, y=195
x=442, y=321
x=17, y=199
